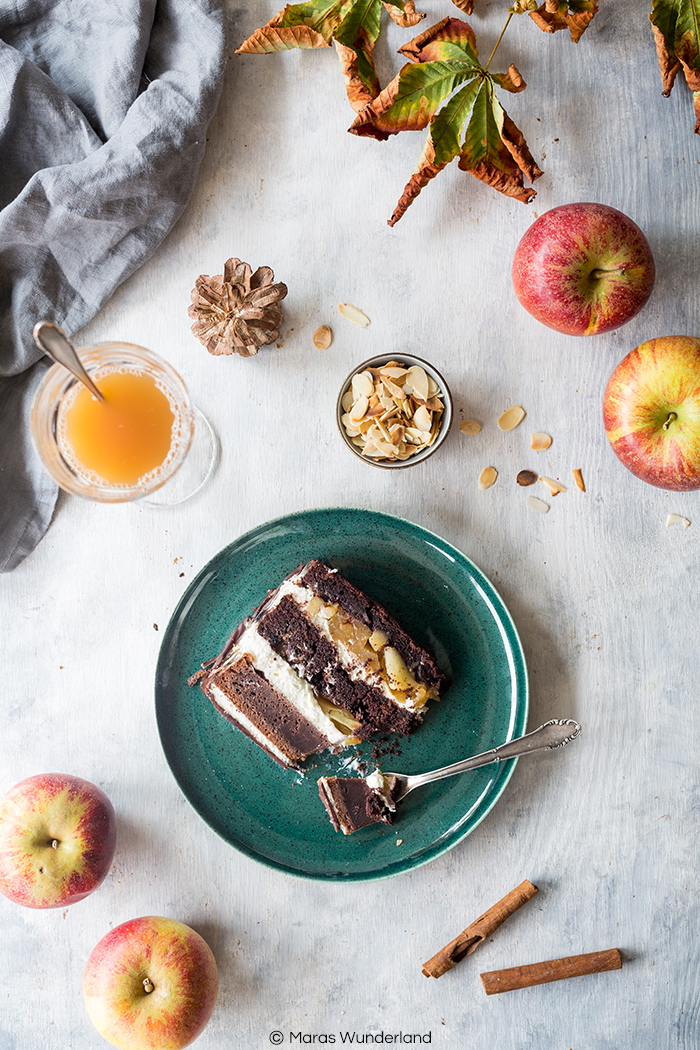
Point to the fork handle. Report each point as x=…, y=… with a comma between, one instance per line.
x=555, y=733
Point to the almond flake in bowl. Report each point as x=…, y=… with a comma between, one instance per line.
x=394, y=411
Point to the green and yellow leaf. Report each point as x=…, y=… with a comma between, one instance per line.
x=445, y=88
x=494, y=149
x=676, y=28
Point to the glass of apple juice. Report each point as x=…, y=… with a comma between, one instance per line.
x=145, y=441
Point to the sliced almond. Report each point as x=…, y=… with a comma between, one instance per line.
x=422, y=418
x=322, y=337
x=537, y=504
x=677, y=519
x=359, y=410
x=554, y=486
x=362, y=385
x=511, y=418
x=539, y=442
x=376, y=408
x=393, y=371
x=578, y=478
x=526, y=477
x=487, y=477
x=417, y=379
x=470, y=426
x=351, y=313
x=391, y=387
x=347, y=400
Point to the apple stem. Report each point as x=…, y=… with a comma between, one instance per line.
x=671, y=417
x=597, y=274
x=148, y=985
x=54, y=843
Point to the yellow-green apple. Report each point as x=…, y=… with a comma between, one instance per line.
x=651, y=412
x=151, y=984
x=583, y=269
x=57, y=838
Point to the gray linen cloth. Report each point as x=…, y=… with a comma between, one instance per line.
x=104, y=106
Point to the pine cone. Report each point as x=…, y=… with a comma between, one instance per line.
x=239, y=311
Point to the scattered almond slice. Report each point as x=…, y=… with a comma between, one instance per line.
x=351, y=313
x=537, y=504
x=539, y=442
x=677, y=519
x=578, y=478
x=487, y=477
x=526, y=477
x=511, y=418
x=322, y=337
x=470, y=426
x=554, y=486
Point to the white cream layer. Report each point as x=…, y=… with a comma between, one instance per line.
x=286, y=681
x=382, y=785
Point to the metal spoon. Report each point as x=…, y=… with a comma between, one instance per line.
x=555, y=733
x=55, y=344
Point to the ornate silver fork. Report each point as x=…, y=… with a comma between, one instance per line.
x=555, y=733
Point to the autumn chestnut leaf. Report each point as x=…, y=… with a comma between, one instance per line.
x=444, y=65
x=573, y=15
x=353, y=26
x=676, y=28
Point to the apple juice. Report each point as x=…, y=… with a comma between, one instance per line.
x=122, y=439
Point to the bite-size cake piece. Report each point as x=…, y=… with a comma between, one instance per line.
x=320, y=665
x=356, y=802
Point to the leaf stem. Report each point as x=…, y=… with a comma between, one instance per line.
x=495, y=48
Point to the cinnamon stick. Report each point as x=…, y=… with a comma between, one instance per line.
x=469, y=939
x=552, y=970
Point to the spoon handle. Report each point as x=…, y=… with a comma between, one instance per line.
x=55, y=344
x=555, y=733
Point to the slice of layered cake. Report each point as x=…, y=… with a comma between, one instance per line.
x=357, y=802
x=320, y=665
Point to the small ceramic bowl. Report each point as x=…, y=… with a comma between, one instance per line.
x=445, y=424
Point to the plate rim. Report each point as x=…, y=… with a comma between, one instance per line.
x=189, y=596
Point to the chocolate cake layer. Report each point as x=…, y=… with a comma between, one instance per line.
x=293, y=637
x=247, y=700
x=329, y=585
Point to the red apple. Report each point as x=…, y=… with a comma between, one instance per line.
x=583, y=269
x=57, y=840
x=151, y=984
x=651, y=412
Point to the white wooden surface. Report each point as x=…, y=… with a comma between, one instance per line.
x=603, y=594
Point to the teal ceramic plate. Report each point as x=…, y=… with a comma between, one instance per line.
x=275, y=815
